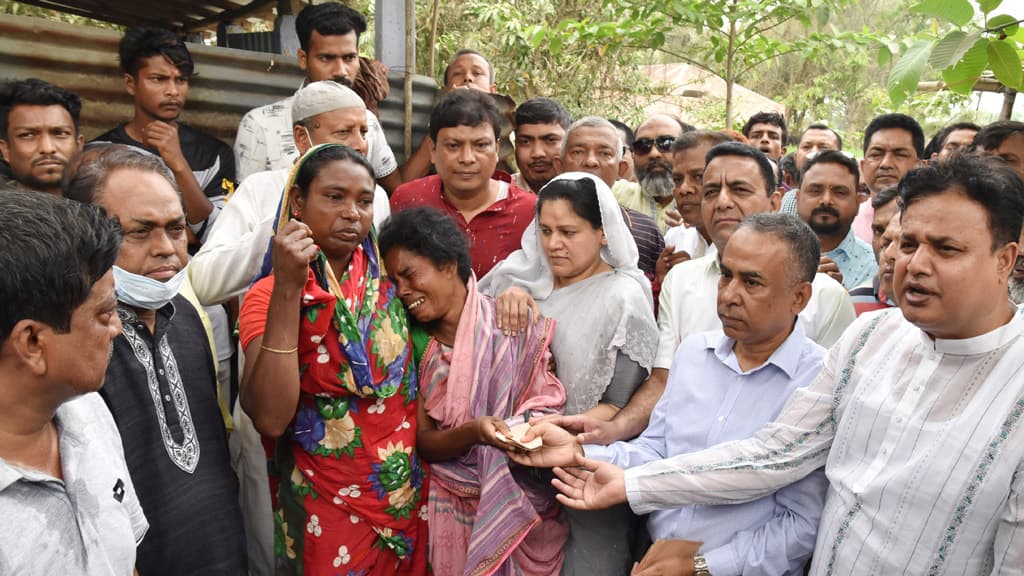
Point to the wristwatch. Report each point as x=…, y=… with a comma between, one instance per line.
x=700, y=566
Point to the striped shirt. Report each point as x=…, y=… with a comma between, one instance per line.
x=649, y=242
x=922, y=442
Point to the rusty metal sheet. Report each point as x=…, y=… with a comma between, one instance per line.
x=229, y=82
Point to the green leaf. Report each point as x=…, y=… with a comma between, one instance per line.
x=958, y=12
x=1005, y=63
x=962, y=77
x=989, y=5
x=906, y=72
x=952, y=48
x=555, y=44
x=537, y=35
x=1003, y=20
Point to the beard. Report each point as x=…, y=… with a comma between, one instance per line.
x=1017, y=290
x=656, y=185
x=825, y=228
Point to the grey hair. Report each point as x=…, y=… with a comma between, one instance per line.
x=594, y=122
x=804, y=246
x=88, y=172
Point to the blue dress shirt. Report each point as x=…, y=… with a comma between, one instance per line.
x=712, y=400
x=855, y=260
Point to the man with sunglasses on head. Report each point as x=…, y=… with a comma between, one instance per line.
x=651, y=194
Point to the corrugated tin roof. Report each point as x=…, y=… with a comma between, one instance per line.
x=229, y=82
x=184, y=15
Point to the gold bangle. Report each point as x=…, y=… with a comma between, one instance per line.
x=277, y=350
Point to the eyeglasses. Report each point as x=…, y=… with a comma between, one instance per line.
x=644, y=145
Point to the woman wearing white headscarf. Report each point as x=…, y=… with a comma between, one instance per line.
x=579, y=263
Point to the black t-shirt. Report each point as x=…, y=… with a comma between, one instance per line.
x=212, y=161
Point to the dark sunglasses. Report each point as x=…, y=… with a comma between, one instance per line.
x=644, y=145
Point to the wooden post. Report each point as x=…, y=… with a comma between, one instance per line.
x=410, y=70
x=1009, y=97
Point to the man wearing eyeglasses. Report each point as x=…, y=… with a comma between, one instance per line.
x=651, y=194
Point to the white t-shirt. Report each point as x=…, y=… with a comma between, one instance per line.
x=265, y=141
x=686, y=239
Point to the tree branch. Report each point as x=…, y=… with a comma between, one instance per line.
x=1002, y=27
x=765, y=59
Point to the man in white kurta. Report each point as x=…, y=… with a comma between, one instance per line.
x=322, y=112
x=917, y=415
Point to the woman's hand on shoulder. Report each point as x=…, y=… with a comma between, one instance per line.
x=294, y=249
x=514, y=306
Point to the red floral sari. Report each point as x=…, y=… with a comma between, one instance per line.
x=351, y=494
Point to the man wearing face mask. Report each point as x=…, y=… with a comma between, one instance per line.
x=651, y=194
x=161, y=384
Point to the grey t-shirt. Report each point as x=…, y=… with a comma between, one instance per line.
x=90, y=522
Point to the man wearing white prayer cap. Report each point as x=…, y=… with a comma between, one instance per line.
x=324, y=112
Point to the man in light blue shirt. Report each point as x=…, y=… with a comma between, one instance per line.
x=828, y=202
x=725, y=385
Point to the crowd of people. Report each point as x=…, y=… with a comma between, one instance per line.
x=665, y=350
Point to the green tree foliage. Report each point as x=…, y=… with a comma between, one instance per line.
x=730, y=38
x=839, y=83
x=961, y=45
x=539, y=49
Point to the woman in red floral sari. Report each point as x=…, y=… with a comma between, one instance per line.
x=328, y=374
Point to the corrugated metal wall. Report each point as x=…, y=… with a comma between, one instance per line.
x=230, y=82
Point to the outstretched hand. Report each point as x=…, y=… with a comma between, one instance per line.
x=590, y=484
x=559, y=447
x=589, y=430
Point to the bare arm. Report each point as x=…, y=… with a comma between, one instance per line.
x=436, y=445
x=269, y=390
x=633, y=418
x=602, y=426
x=602, y=411
x=164, y=137
x=418, y=164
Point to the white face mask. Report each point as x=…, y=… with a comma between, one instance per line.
x=144, y=292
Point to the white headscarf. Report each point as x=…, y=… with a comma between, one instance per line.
x=528, y=267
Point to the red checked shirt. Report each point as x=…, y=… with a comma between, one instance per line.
x=494, y=233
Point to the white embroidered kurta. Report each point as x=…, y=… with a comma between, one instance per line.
x=922, y=445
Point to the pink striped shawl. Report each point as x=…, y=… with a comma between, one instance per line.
x=488, y=516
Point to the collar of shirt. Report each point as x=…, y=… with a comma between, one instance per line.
x=9, y=474
x=846, y=247
x=981, y=344
x=164, y=315
x=710, y=262
x=71, y=431
x=786, y=357
x=508, y=192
